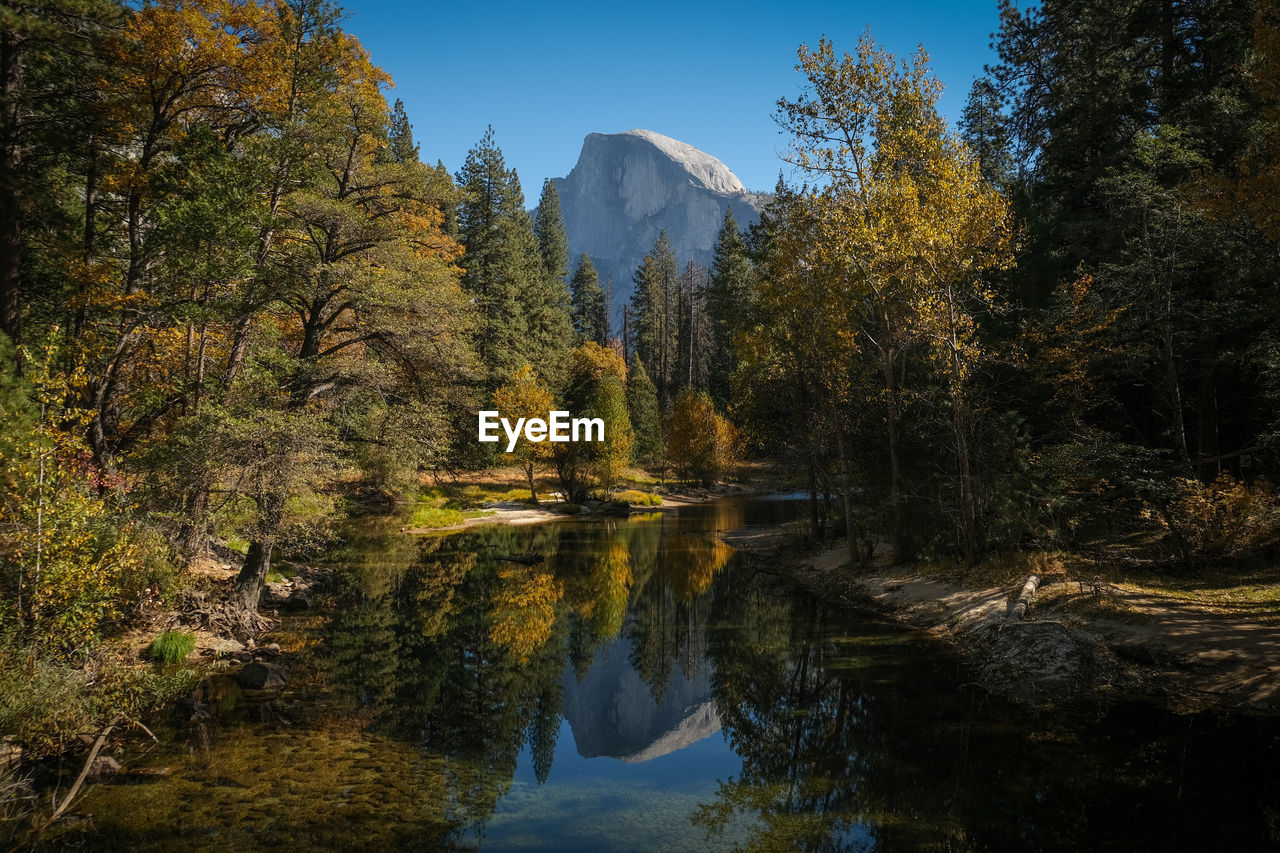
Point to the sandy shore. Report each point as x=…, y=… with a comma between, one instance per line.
x=1070, y=646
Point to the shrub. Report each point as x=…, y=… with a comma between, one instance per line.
x=1222, y=518
x=639, y=498
x=171, y=647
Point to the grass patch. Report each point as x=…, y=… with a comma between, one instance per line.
x=639, y=498
x=434, y=511
x=235, y=543
x=171, y=647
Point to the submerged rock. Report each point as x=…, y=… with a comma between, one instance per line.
x=261, y=676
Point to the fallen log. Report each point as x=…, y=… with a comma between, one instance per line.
x=1018, y=609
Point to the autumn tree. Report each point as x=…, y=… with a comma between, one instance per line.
x=596, y=389
x=906, y=223
x=524, y=396
x=701, y=444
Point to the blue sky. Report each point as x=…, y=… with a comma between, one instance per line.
x=709, y=74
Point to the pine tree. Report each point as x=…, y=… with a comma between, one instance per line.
x=694, y=344
x=646, y=418
x=590, y=311
x=728, y=303
x=548, y=227
x=403, y=148
x=984, y=129
x=549, y=307
x=656, y=304
x=502, y=261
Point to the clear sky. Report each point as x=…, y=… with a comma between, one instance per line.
x=709, y=74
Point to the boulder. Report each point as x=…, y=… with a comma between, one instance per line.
x=261, y=676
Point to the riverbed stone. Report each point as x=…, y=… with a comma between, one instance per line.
x=261, y=676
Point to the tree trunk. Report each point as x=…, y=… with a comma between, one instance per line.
x=257, y=563
x=813, y=497
x=892, y=415
x=850, y=529
x=533, y=492
x=11, y=81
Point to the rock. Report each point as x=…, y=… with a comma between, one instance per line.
x=626, y=187
x=261, y=676
x=104, y=765
x=224, y=646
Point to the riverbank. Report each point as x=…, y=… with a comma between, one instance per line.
x=501, y=496
x=1086, y=635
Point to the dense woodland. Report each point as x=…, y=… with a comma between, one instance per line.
x=239, y=301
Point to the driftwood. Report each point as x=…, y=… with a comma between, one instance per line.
x=523, y=559
x=1018, y=610
x=84, y=772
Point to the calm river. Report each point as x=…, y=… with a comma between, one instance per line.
x=646, y=689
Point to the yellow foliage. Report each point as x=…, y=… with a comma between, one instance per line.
x=1225, y=517
x=701, y=444
x=595, y=362
x=524, y=610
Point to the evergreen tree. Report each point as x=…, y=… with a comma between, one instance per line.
x=403, y=148
x=728, y=304
x=984, y=129
x=656, y=306
x=590, y=311
x=549, y=307
x=694, y=344
x=503, y=264
x=548, y=227
x=646, y=418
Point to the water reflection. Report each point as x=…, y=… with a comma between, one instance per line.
x=643, y=689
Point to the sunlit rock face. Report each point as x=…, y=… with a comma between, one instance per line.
x=626, y=187
x=612, y=712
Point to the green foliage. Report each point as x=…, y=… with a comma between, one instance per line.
x=523, y=309
x=611, y=456
x=596, y=389
x=70, y=559
x=47, y=702
x=729, y=304
x=646, y=417
x=638, y=498
x=590, y=312
x=171, y=647
x=655, y=305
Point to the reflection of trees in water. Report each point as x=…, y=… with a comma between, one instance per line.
x=851, y=738
x=794, y=723
x=669, y=613
x=447, y=647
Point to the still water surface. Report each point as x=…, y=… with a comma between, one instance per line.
x=646, y=689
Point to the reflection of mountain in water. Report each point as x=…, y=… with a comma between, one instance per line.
x=612, y=711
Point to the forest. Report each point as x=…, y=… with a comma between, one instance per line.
x=241, y=303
